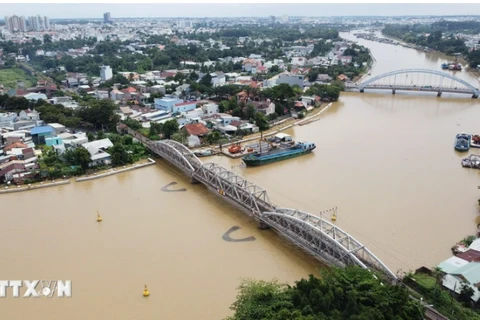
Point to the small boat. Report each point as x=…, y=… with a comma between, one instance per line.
x=274, y=155
x=205, y=153
x=444, y=66
x=475, y=142
x=473, y=161
x=462, y=142
x=236, y=148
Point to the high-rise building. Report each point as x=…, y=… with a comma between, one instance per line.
x=106, y=73
x=272, y=19
x=107, y=18
x=46, y=22
x=37, y=23
x=15, y=24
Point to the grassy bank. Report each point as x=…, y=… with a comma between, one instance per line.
x=10, y=77
x=428, y=287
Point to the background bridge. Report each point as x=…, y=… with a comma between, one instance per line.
x=322, y=239
x=417, y=80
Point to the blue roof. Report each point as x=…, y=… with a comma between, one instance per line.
x=41, y=129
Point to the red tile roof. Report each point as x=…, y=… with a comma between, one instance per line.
x=470, y=255
x=196, y=129
x=15, y=145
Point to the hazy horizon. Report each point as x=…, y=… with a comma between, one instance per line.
x=197, y=10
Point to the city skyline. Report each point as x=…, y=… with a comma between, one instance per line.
x=197, y=10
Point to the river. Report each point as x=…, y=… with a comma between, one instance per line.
x=385, y=161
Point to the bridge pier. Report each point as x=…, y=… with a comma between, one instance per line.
x=475, y=96
x=362, y=90
x=439, y=94
x=194, y=181
x=263, y=226
x=393, y=91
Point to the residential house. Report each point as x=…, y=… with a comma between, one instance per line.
x=39, y=134
x=323, y=77
x=7, y=119
x=343, y=78
x=250, y=64
x=166, y=104
x=184, y=107
x=67, y=102
x=195, y=129
x=463, y=269
x=53, y=141
x=218, y=79
x=290, y=79
x=97, y=150
x=116, y=94
x=29, y=115
x=59, y=128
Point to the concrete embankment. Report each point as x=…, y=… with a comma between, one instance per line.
x=115, y=171
x=35, y=186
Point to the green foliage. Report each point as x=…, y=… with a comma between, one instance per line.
x=10, y=76
x=261, y=121
x=120, y=154
x=169, y=128
x=99, y=113
x=416, y=34
x=79, y=156
x=339, y=294
x=467, y=241
x=57, y=113
x=132, y=124
x=213, y=137
x=331, y=91
x=435, y=294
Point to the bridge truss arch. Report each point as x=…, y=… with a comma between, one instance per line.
x=370, y=81
x=233, y=187
x=324, y=240
x=177, y=154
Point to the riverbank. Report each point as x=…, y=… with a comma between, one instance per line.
x=34, y=186
x=112, y=171
x=285, y=124
x=96, y=175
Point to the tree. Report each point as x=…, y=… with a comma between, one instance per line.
x=466, y=293
x=350, y=293
x=81, y=157
x=169, y=128
x=119, y=155
x=250, y=112
x=261, y=121
x=47, y=38
x=206, y=80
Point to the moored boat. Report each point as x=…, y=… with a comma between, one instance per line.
x=205, y=153
x=279, y=154
x=475, y=142
x=236, y=148
x=444, y=66
x=472, y=161
x=462, y=142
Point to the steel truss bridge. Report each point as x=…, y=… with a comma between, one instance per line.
x=322, y=239
x=417, y=80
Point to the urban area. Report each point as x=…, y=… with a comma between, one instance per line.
x=82, y=99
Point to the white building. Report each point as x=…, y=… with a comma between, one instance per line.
x=106, y=73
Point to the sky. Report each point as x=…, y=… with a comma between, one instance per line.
x=133, y=10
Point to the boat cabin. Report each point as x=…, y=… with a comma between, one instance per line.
x=283, y=137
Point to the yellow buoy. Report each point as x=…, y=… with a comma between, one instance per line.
x=334, y=217
x=146, y=293
x=99, y=219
